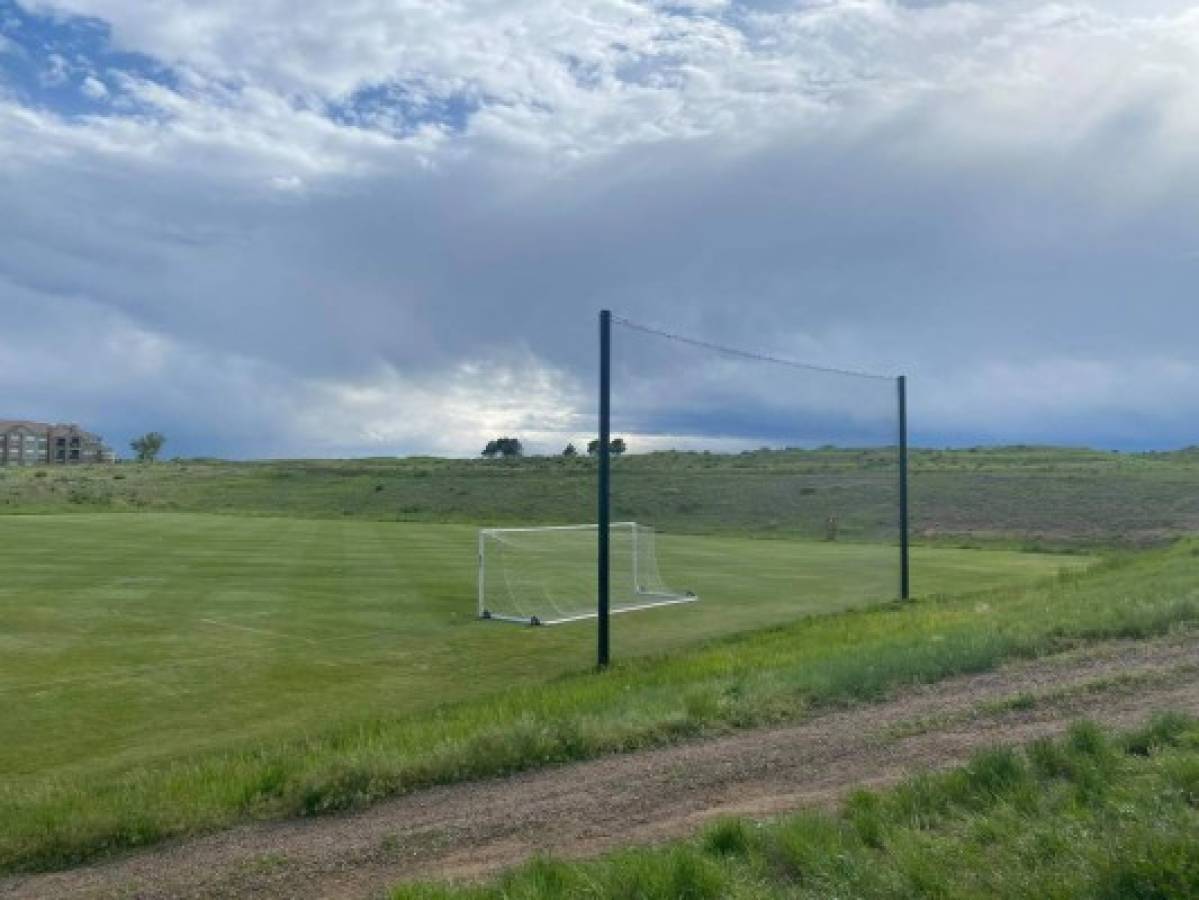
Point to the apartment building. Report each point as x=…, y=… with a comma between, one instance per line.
x=25, y=443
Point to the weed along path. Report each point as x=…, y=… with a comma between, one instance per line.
x=473, y=829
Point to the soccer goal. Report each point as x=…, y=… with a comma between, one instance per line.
x=546, y=575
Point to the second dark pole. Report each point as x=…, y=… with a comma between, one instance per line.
x=605, y=504
x=905, y=553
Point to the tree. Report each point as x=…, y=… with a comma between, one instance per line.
x=148, y=446
x=616, y=447
x=507, y=447
x=570, y=451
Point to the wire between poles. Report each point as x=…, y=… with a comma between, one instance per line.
x=745, y=354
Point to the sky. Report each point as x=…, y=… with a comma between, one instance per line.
x=385, y=227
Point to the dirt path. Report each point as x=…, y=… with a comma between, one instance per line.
x=472, y=829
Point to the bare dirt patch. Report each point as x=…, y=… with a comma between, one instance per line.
x=469, y=830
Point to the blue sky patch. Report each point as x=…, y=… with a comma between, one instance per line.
x=404, y=108
x=67, y=65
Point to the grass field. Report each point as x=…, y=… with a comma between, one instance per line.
x=163, y=635
x=1095, y=815
x=137, y=646
x=198, y=643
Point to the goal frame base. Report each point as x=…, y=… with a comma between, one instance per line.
x=537, y=621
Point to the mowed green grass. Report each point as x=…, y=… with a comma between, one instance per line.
x=128, y=640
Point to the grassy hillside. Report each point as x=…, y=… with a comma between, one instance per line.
x=367, y=740
x=1038, y=497
x=1093, y=815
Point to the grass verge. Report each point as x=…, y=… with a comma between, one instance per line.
x=1092, y=815
x=773, y=676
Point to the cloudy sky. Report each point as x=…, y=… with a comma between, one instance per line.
x=385, y=226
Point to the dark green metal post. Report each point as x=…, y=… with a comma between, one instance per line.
x=605, y=500
x=905, y=564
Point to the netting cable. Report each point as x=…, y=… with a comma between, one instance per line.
x=745, y=354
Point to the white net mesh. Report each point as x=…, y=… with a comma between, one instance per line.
x=547, y=576
x=777, y=481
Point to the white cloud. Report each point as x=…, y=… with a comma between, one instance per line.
x=56, y=70
x=93, y=87
x=452, y=413
x=578, y=78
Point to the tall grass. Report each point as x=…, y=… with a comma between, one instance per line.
x=773, y=676
x=1017, y=496
x=1092, y=815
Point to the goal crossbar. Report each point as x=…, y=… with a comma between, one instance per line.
x=540, y=528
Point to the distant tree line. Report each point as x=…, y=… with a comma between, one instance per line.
x=616, y=447
x=505, y=447
x=512, y=448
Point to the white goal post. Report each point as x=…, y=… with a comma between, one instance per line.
x=547, y=575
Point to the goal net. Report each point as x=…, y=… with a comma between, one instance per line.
x=778, y=482
x=547, y=575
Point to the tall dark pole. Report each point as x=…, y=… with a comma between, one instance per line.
x=605, y=463
x=905, y=565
